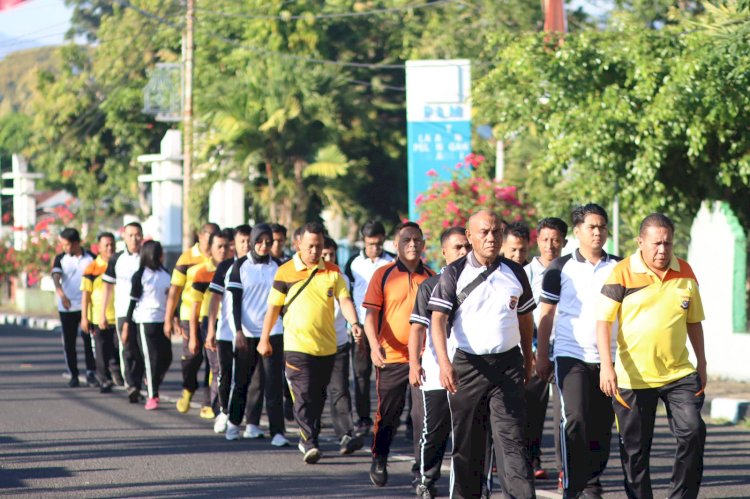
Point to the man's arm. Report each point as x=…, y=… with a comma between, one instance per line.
x=107, y=297
x=607, y=376
x=416, y=344
x=195, y=309
x=269, y=321
x=85, y=304
x=695, y=335
x=57, y=279
x=439, y=327
x=213, y=313
x=526, y=328
x=350, y=314
x=371, y=331
x=544, y=331
x=172, y=298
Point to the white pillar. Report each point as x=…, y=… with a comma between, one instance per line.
x=226, y=203
x=24, y=204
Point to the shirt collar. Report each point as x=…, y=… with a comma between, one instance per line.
x=299, y=265
x=471, y=259
x=580, y=258
x=638, y=266
x=196, y=251
x=419, y=270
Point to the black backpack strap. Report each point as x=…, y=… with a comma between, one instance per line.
x=461, y=297
x=285, y=308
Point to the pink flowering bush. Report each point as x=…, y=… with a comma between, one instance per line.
x=450, y=203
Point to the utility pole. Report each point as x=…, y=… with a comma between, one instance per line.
x=187, y=125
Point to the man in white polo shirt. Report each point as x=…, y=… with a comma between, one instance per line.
x=67, y=272
x=118, y=278
x=571, y=288
x=489, y=300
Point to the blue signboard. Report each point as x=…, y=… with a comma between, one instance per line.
x=435, y=148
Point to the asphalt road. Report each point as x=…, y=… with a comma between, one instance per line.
x=57, y=441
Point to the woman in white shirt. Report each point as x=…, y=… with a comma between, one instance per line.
x=148, y=307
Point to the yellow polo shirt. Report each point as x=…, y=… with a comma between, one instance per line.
x=200, y=277
x=308, y=322
x=653, y=314
x=180, y=277
x=93, y=283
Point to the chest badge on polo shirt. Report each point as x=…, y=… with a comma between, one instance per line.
x=685, y=304
x=330, y=292
x=513, y=302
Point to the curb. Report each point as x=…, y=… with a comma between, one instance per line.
x=43, y=323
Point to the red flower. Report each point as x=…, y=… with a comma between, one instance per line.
x=446, y=224
x=482, y=199
x=432, y=173
x=419, y=200
x=452, y=208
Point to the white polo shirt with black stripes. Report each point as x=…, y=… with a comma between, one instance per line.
x=120, y=269
x=574, y=285
x=224, y=331
x=487, y=321
x=70, y=268
x=250, y=283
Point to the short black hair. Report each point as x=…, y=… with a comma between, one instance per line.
x=137, y=225
x=71, y=235
x=579, y=213
x=210, y=227
x=243, y=230
x=278, y=228
x=553, y=223
x=219, y=235
x=105, y=234
x=151, y=253
x=373, y=228
x=328, y=243
x=447, y=233
x=228, y=233
x=656, y=220
x=313, y=228
x=297, y=233
x=406, y=225
x=519, y=230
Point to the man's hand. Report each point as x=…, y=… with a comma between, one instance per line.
x=85, y=326
x=358, y=333
x=264, y=347
x=377, y=355
x=448, y=377
x=65, y=301
x=103, y=324
x=608, y=380
x=193, y=344
x=167, y=329
x=703, y=374
x=416, y=373
x=211, y=341
x=543, y=367
x=240, y=342
x=125, y=332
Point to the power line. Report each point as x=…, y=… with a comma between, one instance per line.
x=336, y=15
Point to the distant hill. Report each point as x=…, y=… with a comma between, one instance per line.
x=18, y=76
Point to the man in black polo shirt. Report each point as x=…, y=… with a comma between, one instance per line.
x=490, y=300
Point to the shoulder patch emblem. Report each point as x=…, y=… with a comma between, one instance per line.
x=513, y=302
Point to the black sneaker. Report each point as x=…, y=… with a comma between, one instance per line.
x=348, y=445
x=426, y=491
x=379, y=471
x=134, y=396
x=362, y=427
x=91, y=380
x=106, y=387
x=73, y=383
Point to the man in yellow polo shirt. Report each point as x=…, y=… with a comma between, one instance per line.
x=92, y=302
x=306, y=287
x=654, y=297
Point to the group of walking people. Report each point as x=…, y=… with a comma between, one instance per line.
x=469, y=353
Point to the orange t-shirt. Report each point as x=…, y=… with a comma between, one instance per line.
x=392, y=292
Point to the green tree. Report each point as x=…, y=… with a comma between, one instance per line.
x=659, y=114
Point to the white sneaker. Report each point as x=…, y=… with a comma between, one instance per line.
x=253, y=431
x=220, y=423
x=233, y=431
x=279, y=440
